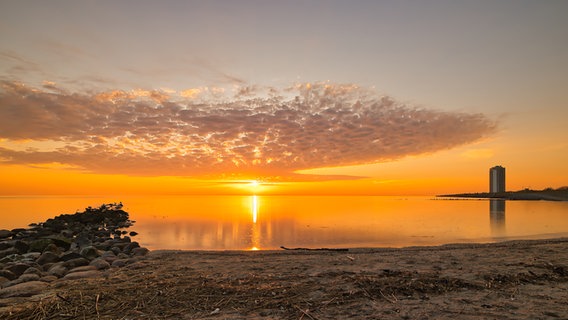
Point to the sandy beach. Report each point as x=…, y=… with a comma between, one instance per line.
x=509, y=280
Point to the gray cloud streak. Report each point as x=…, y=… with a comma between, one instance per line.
x=305, y=126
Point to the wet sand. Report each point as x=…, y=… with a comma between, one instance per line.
x=508, y=280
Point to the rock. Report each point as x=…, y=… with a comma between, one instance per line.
x=21, y=246
x=47, y=257
x=128, y=248
x=26, y=289
x=58, y=270
x=73, y=263
x=39, y=245
x=82, y=240
x=8, y=274
x=138, y=252
x=82, y=268
x=90, y=253
x=9, y=251
x=123, y=256
x=100, y=264
x=33, y=270
x=5, y=245
x=31, y=256
x=53, y=248
x=133, y=233
x=70, y=256
x=49, y=278
x=28, y=277
x=83, y=275
x=18, y=268
x=116, y=250
x=61, y=241
x=5, y=234
x=3, y=280
x=119, y=263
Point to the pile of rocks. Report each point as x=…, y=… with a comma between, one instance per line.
x=69, y=246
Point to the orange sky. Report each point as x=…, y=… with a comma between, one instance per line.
x=398, y=99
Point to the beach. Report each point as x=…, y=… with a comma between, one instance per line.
x=508, y=280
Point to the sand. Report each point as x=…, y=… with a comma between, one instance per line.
x=509, y=280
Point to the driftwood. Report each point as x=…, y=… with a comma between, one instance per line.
x=316, y=249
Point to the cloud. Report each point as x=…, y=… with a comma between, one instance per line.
x=153, y=132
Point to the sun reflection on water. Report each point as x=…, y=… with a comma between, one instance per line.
x=255, y=229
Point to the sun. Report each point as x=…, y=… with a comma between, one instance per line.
x=254, y=183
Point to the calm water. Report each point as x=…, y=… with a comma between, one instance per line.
x=268, y=222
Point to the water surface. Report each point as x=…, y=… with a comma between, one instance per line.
x=268, y=222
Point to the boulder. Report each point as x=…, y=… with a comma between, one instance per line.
x=18, y=268
x=83, y=275
x=58, y=270
x=26, y=289
x=73, y=263
x=5, y=234
x=21, y=246
x=100, y=264
x=47, y=257
x=90, y=253
x=28, y=277
x=39, y=245
x=139, y=252
x=82, y=268
x=70, y=256
x=7, y=274
x=8, y=252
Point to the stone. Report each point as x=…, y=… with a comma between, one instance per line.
x=90, y=253
x=21, y=246
x=3, y=280
x=49, y=278
x=128, y=248
x=33, y=270
x=53, y=248
x=138, y=252
x=5, y=234
x=47, y=257
x=26, y=289
x=82, y=268
x=100, y=264
x=73, y=263
x=28, y=277
x=18, y=268
x=119, y=263
x=61, y=241
x=70, y=256
x=83, y=275
x=133, y=233
x=58, y=270
x=31, y=256
x=5, y=245
x=39, y=245
x=8, y=274
x=8, y=252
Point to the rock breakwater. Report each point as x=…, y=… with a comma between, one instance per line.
x=69, y=246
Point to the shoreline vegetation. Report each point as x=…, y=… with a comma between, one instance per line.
x=525, y=279
x=548, y=194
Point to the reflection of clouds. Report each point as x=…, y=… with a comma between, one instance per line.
x=258, y=131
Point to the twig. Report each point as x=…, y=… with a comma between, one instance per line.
x=387, y=298
x=304, y=313
x=316, y=249
x=97, y=305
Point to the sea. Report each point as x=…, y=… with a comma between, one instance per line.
x=256, y=222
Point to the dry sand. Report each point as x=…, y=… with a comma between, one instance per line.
x=509, y=280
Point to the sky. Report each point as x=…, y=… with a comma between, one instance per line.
x=281, y=97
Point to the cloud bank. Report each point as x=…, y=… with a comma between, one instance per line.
x=261, y=132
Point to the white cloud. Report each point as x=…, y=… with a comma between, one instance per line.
x=156, y=133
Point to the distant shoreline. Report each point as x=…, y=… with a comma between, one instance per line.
x=547, y=195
